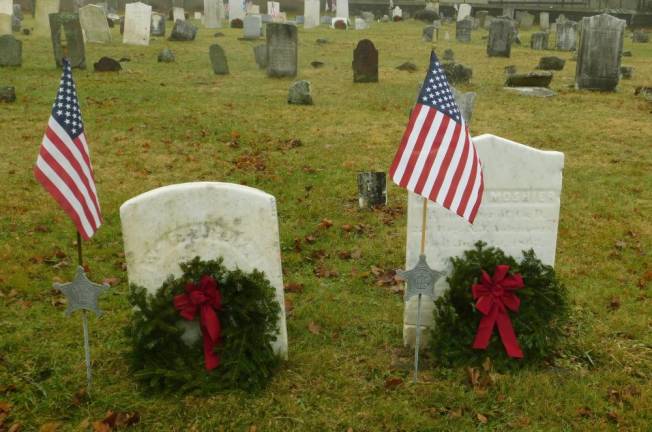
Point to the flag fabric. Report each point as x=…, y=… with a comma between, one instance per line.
x=436, y=158
x=63, y=164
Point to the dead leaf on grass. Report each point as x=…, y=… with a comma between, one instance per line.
x=481, y=418
x=392, y=383
x=111, y=281
x=293, y=287
x=325, y=223
x=50, y=427
x=314, y=328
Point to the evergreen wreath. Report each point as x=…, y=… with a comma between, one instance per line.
x=161, y=361
x=539, y=323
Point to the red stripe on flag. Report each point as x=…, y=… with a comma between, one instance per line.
x=423, y=132
x=434, y=150
x=404, y=140
x=455, y=181
x=443, y=169
x=469, y=186
x=474, y=212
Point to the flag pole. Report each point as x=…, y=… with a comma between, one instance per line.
x=87, y=345
x=417, y=343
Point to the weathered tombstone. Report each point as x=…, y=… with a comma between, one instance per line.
x=43, y=9
x=260, y=54
x=342, y=8
x=183, y=31
x=532, y=79
x=170, y=225
x=310, y=13
x=236, y=10
x=218, y=60
x=107, y=64
x=487, y=21
x=449, y=55
x=94, y=24
x=299, y=93
x=15, y=24
x=539, y=41
x=463, y=29
x=360, y=24
x=457, y=73
x=138, y=21
x=365, y=62
x=463, y=11
x=566, y=35
x=282, y=50
x=626, y=72
x=198, y=16
x=368, y=16
x=508, y=12
x=253, y=26
x=178, y=13
x=501, y=34
x=429, y=33
x=211, y=14
x=544, y=21
x=598, y=52
x=17, y=11
x=67, y=25
x=520, y=210
x=165, y=56
x=158, y=24
x=481, y=15
x=551, y=63
x=7, y=94
x=526, y=21
x=465, y=102
x=640, y=36
x=11, y=51
x=372, y=189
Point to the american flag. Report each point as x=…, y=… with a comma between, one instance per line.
x=436, y=158
x=63, y=165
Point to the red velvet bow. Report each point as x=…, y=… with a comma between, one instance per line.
x=493, y=297
x=206, y=299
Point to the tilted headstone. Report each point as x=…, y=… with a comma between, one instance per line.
x=170, y=225
x=525, y=21
x=501, y=36
x=342, y=8
x=260, y=55
x=519, y=211
x=463, y=11
x=211, y=14
x=566, y=35
x=178, y=13
x=94, y=24
x=544, y=21
x=158, y=24
x=42, y=16
x=11, y=51
x=598, y=52
x=539, y=41
x=253, y=26
x=365, y=62
x=463, y=29
x=282, y=50
x=183, y=31
x=218, y=60
x=310, y=14
x=138, y=21
x=65, y=24
x=236, y=10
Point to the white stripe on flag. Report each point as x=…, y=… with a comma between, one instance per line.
x=464, y=178
x=441, y=153
x=425, y=150
x=409, y=146
x=474, y=193
x=66, y=193
x=452, y=167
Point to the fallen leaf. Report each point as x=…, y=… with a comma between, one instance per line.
x=16, y=427
x=393, y=382
x=614, y=303
x=297, y=245
x=347, y=227
x=309, y=170
x=325, y=223
x=293, y=287
x=620, y=245
x=314, y=328
x=50, y=427
x=310, y=239
x=344, y=255
x=356, y=254
x=5, y=407
x=126, y=419
x=323, y=272
x=99, y=426
x=80, y=397
x=456, y=413
x=288, y=306
x=486, y=364
x=111, y=281
x=584, y=412
x=481, y=418
x=42, y=228
x=613, y=416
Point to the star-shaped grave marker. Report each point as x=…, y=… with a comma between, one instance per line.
x=81, y=293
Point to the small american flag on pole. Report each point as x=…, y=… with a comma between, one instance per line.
x=436, y=158
x=63, y=165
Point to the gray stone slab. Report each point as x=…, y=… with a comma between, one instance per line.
x=282, y=50
x=11, y=51
x=218, y=60
x=66, y=25
x=598, y=53
x=501, y=36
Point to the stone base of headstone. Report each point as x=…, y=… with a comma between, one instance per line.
x=457, y=73
x=626, y=72
x=532, y=79
x=531, y=91
x=551, y=63
x=372, y=189
x=107, y=64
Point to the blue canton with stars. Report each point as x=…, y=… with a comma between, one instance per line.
x=66, y=106
x=436, y=93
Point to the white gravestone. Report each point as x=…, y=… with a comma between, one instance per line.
x=311, y=14
x=342, y=8
x=463, y=11
x=544, y=21
x=94, y=24
x=211, y=14
x=519, y=211
x=178, y=13
x=42, y=16
x=198, y=15
x=6, y=7
x=253, y=9
x=397, y=12
x=253, y=26
x=236, y=10
x=273, y=8
x=360, y=24
x=138, y=21
x=173, y=224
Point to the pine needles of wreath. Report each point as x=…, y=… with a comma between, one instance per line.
x=539, y=323
x=162, y=361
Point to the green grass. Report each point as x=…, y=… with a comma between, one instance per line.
x=157, y=124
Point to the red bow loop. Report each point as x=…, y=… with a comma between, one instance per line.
x=493, y=296
x=204, y=298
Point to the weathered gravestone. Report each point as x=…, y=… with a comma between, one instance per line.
x=165, y=56
x=253, y=26
x=365, y=62
x=7, y=94
x=372, y=189
x=551, y=63
x=368, y=16
x=43, y=9
x=218, y=60
x=66, y=25
x=544, y=21
x=539, y=41
x=211, y=14
x=457, y=73
x=566, y=34
x=360, y=24
x=342, y=8
x=508, y=12
x=158, y=25
x=11, y=51
x=94, y=24
x=626, y=72
x=17, y=11
x=282, y=50
x=463, y=11
x=310, y=14
x=449, y=55
x=178, y=13
x=640, y=36
x=519, y=211
x=598, y=52
x=138, y=21
x=170, y=225
x=260, y=54
x=236, y=10
x=183, y=31
x=501, y=36
x=465, y=102
x=429, y=33
x=525, y=21
x=463, y=29
x=299, y=93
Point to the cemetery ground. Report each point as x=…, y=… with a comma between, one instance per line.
x=155, y=124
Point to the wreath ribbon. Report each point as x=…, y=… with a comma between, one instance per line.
x=204, y=299
x=494, y=296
